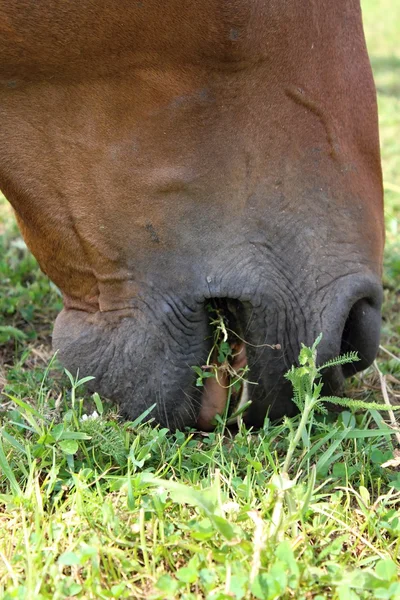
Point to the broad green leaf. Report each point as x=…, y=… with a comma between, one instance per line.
x=69, y=446
x=69, y=559
x=386, y=569
x=98, y=403
x=75, y=435
x=187, y=575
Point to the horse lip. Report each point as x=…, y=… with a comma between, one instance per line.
x=216, y=391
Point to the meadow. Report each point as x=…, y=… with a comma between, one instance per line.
x=92, y=507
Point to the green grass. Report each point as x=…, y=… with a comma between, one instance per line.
x=96, y=509
x=91, y=507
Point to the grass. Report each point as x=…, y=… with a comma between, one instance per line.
x=97, y=509
x=91, y=507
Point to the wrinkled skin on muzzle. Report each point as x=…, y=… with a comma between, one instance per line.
x=164, y=155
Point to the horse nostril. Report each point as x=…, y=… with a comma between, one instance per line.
x=361, y=334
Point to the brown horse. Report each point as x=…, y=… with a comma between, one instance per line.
x=160, y=155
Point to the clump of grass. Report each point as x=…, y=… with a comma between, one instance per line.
x=26, y=294
x=94, y=508
x=29, y=302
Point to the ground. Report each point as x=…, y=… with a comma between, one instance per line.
x=91, y=507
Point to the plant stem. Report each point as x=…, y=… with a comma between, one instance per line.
x=309, y=405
